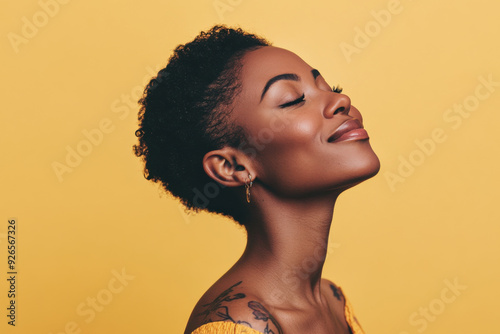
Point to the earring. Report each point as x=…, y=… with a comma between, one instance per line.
x=248, y=185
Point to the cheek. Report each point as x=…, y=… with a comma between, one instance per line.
x=291, y=138
x=302, y=132
x=291, y=152
x=281, y=129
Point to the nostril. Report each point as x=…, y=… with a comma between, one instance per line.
x=339, y=110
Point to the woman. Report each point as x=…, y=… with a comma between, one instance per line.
x=235, y=126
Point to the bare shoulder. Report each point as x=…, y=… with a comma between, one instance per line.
x=330, y=288
x=233, y=302
x=335, y=298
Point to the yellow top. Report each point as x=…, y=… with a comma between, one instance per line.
x=224, y=327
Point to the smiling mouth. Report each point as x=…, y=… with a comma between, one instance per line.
x=349, y=130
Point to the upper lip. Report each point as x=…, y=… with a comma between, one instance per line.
x=347, y=126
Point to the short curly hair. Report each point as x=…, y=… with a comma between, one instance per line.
x=184, y=114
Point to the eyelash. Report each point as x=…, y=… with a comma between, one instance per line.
x=294, y=102
x=335, y=89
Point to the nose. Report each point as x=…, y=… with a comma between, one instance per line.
x=339, y=103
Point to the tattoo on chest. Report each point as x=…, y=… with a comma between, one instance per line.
x=218, y=310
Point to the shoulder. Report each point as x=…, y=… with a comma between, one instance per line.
x=233, y=302
x=332, y=289
x=335, y=297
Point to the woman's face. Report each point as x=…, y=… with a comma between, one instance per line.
x=289, y=114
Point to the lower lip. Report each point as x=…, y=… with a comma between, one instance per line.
x=353, y=135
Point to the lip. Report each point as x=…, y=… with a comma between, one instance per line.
x=349, y=130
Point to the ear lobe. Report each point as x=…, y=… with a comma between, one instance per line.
x=222, y=166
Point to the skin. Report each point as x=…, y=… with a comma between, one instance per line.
x=276, y=285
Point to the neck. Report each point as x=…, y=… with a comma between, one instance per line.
x=288, y=243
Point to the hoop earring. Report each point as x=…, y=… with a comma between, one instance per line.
x=248, y=185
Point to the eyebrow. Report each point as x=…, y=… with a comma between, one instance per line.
x=285, y=76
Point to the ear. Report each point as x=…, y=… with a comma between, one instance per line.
x=228, y=166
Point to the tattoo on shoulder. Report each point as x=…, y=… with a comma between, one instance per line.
x=215, y=311
x=218, y=310
x=337, y=292
x=261, y=313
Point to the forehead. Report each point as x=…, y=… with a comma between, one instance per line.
x=266, y=62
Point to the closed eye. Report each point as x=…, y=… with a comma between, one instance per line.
x=294, y=102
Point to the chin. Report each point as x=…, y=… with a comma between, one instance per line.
x=367, y=166
x=360, y=170
x=372, y=167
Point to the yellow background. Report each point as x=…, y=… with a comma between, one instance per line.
x=392, y=249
